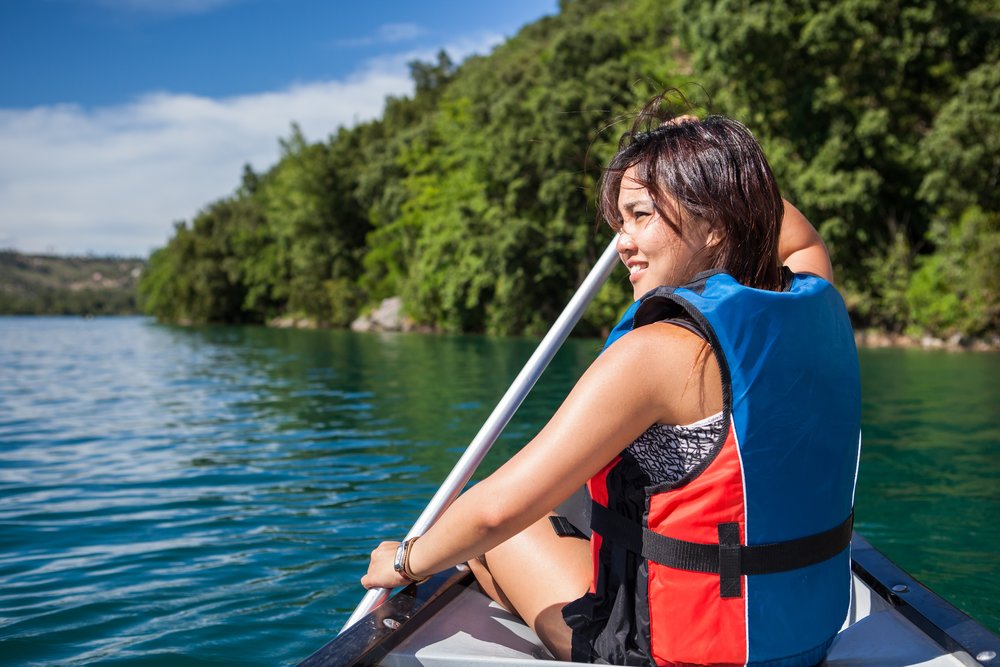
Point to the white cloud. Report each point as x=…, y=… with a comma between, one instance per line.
x=399, y=32
x=389, y=33
x=113, y=180
x=165, y=7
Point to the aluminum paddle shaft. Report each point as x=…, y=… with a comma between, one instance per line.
x=502, y=413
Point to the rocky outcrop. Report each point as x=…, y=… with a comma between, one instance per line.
x=876, y=338
x=387, y=317
x=292, y=322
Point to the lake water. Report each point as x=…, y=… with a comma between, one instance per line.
x=208, y=496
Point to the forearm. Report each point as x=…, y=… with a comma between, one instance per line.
x=800, y=246
x=475, y=523
x=466, y=530
x=522, y=491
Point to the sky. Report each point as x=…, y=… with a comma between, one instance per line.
x=119, y=118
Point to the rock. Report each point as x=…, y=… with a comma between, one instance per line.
x=874, y=338
x=930, y=342
x=958, y=341
x=292, y=322
x=363, y=323
x=387, y=317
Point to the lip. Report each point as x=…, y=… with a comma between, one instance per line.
x=633, y=276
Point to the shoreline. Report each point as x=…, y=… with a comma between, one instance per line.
x=863, y=338
x=867, y=338
x=876, y=338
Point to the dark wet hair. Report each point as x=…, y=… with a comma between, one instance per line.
x=717, y=173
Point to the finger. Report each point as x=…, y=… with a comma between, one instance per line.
x=678, y=120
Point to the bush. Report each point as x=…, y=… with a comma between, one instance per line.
x=957, y=288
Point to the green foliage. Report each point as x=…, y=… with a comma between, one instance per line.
x=957, y=289
x=961, y=153
x=197, y=277
x=850, y=87
x=885, y=303
x=472, y=199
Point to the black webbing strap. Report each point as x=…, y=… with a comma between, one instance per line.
x=728, y=559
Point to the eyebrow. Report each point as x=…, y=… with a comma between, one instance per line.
x=632, y=204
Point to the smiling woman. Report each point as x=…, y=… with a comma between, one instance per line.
x=651, y=243
x=686, y=432
x=709, y=184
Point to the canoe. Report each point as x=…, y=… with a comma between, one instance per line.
x=445, y=622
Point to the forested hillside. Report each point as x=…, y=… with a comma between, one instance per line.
x=51, y=285
x=473, y=200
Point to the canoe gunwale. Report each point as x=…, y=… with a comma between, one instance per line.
x=945, y=624
x=373, y=637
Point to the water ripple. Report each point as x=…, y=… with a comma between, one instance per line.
x=209, y=495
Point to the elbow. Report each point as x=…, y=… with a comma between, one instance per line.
x=494, y=515
x=502, y=506
x=495, y=512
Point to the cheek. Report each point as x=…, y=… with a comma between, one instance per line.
x=670, y=250
x=660, y=239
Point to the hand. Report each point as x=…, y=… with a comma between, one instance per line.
x=381, y=574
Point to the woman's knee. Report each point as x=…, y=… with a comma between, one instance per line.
x=538, y=540
x=488, y=584
x=537, y=568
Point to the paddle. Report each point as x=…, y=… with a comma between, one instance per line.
x=502, y=413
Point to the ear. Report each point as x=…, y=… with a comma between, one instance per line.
x=714, y=237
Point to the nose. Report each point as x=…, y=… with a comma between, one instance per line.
x=626, y=244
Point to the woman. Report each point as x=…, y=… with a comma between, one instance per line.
x=726, y=418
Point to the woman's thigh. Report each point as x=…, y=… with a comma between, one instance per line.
x=537, y=572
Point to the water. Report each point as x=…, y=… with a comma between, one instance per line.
x=209, y=495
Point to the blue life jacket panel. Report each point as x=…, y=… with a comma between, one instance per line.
x=745, y=560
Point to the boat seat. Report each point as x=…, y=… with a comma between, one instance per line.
x=474, y=630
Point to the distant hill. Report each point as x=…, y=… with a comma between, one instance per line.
x=52, y=285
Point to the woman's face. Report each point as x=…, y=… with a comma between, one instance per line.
x=652, y=251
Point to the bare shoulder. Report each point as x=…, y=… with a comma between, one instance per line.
x=658, y=342
x=671, y=366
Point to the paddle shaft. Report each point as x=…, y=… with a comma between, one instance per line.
x=502, y=413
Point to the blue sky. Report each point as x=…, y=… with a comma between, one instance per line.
x=119, y=117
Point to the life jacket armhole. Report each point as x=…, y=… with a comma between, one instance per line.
x=666, y=303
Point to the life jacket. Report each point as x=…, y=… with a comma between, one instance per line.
x=746, y=559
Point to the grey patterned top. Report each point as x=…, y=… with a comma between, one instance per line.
x=666, y=452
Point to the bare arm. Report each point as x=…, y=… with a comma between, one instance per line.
x=611, y=405
x=800, y=247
